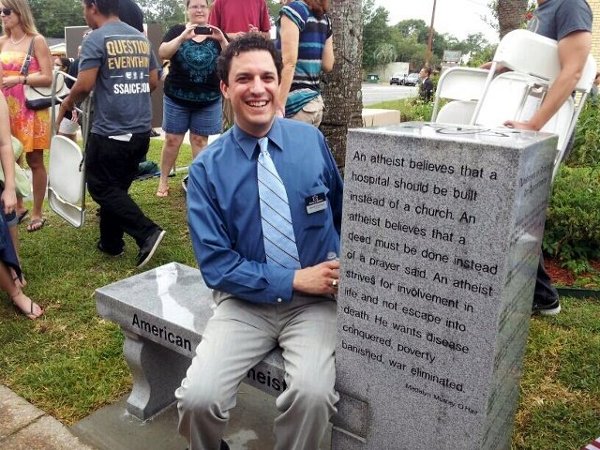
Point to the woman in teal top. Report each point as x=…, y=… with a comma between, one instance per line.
x=306, y=44
x=192, y=100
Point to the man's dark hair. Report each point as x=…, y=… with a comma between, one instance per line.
x=427, y=70
x=105, y=7
x=247, y=43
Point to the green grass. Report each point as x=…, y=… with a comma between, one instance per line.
x=560, y=387
x=70, y=362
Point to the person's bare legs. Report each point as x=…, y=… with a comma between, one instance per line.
x=35, y=161
x=198, y=142
x=168, y=156
x=25, y=304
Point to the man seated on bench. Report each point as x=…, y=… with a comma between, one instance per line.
x=264, y=211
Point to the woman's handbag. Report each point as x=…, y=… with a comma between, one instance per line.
x=37, y=98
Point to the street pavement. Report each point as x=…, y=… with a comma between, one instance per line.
x=375, y=93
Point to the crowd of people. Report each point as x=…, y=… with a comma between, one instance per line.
x=193, y=102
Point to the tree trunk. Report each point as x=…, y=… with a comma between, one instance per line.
x=342, y=94
x=511, y=14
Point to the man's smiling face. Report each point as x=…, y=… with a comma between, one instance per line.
x=252, y=88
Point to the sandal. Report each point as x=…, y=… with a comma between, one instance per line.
x=36, y=225
x=21, y=216
x=31, y=314
x=162, y=193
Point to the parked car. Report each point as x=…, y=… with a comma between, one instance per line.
x=397, y=78
x=372, y=78
x=412, y=79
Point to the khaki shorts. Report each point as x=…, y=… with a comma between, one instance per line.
x=312, y=112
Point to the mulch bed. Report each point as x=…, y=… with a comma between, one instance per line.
x=564, y=277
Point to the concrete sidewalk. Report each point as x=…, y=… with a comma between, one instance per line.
x=25, y=427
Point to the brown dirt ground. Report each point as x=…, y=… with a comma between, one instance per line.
x=564, y=277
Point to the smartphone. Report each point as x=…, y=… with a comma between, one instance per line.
x=203, y=30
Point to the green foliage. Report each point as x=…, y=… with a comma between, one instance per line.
x=586, y=150
x=385, y=53
x=165, y=12
x=573, y=220
x=274, y=7
x=375, y=32
x=51, y=16
x=410, y=39
x=411, y=109
x=483, y=55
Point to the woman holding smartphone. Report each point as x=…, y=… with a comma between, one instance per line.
x=192, y=99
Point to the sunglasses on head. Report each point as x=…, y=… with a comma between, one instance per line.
x=6, y=11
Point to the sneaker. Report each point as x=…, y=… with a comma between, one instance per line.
x=184, y=183
x=546, y=310
x=149, y=247
x=100, y=247
x=223, y=446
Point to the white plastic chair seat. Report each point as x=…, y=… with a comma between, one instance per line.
x=66, y=180
x=458, y=83
x=506, y=99
x=457, y=112
x=462, y=83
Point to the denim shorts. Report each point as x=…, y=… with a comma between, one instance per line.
x=203, y=121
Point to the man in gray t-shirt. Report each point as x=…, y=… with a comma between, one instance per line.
x=570, y=23
x=116, y=62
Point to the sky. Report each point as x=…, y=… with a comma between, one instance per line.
x=457, y=17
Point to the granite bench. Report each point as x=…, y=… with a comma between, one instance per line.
x=162, y=313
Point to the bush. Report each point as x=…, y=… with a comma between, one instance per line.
x=411, y=109
x=573, y=221
x=416, y=109
x=586, y=150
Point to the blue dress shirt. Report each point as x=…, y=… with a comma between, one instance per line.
x=224, y=210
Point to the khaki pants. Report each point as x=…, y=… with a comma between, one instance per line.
x=238, y=336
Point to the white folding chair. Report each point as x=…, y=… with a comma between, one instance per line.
x=66, y=181
x=463, y=86
x=516, y=95
x=66, y=169
x=456, y=112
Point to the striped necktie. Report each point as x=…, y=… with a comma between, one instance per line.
x=278, y=232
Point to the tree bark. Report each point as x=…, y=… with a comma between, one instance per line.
x=342, y=94
x=511, y=14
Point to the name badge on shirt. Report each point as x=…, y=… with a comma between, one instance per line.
x=315, y=203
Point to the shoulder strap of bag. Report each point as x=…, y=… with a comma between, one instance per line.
x=27, y=60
